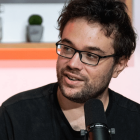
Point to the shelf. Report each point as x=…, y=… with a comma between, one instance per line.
x=33, y=51
x=27, y=45
x=27, y=51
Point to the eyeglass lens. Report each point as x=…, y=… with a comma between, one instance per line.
x=68, y=52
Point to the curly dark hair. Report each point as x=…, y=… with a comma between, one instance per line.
x=110, y=14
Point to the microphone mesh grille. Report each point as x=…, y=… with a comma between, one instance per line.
x=94, y=112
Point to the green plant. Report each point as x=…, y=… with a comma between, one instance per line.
x=35, y=20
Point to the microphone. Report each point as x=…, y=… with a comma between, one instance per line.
x=95, y=119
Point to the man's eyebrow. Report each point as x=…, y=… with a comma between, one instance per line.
x=94, y=48
x=65, y=40
x=88, y=48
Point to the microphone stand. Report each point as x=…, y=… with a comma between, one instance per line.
x=97, y=132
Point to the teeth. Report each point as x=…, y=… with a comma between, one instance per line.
x=71, y=78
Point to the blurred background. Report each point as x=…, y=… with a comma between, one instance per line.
x=26, y=65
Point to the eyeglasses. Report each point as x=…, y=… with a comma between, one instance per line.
x=85, y=57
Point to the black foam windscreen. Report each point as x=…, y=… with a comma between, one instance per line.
x=94, y=112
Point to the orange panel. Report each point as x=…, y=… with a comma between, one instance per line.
x=27, y=53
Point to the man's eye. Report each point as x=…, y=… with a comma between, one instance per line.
x=91, y=55
x=67, y=49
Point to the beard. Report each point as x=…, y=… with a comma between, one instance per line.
x=94, y=89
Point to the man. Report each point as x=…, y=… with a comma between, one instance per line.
x=97, y=39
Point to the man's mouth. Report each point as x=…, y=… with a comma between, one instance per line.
x=72, y=78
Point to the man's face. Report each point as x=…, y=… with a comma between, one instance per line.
x=78, y=81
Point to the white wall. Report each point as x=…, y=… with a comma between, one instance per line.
x=128, y=82
x=15, y=20
x=15, y=79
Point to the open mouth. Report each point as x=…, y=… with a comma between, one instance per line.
x=72, y=78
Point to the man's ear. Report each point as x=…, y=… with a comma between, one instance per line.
x=119, y=67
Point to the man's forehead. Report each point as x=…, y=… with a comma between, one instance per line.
x=108, y=30
x=83, y=37
x=93, y=24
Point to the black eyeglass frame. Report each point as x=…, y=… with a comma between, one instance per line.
x=80, y=56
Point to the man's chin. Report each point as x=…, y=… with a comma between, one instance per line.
x=71, y=90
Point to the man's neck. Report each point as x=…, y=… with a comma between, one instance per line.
x=74, y=112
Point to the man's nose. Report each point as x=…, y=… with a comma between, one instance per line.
x=75, y=62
